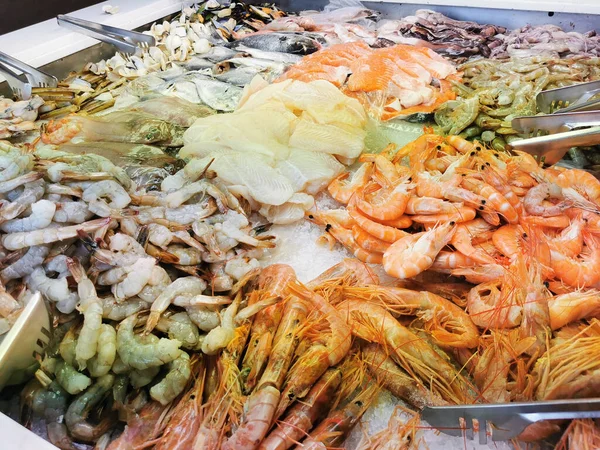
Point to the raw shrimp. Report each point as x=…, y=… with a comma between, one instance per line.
x=136, y=278
x=174, y=381
x=101, y=363
x=141, y=378
x=327, y=351
x=117, y=311
x=26, y=264
x=186, y=256
x=7, y=186
x=80, y=408
x=257, y=420
x=41, y=216
x=304, y=415
x=534, y=200
x=72, y=381
x=179, y=197
x=181, y=286
x=91, y=308
x=15, y=241
x=55, y=290
x=374, y=324
x=415, y=253
x=179, y=326
x=159, y=280
x=220, y=336
x=273, y=281
x=72, y=212
x=397, y=381
x=139, y=355
x=183, y=425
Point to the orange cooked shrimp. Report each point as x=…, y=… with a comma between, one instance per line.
x=400, y=222
x=385, y=203
x=373, y=323
x=582, y=181
x=493, y=305
x=561, y=221
x=382, y=232
x=461, y=214
x=509, y=240
x=342, y=190
x=534, y=201
x=463, y=240
x=570, y=240
x=570, y=307
x=368, y=242
x=446, y=260
x=494, y=199
x=481, y=274
x=448, y=324
x=415, y=253
x=582, y=271
x=430, y=205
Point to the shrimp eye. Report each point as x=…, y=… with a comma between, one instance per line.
x=487, y=164
x=472, y=153
x=478, y=148
x=452, y=223
x=358, y=403
x=192, y=396
x=481, y=208
x=483, y=202
x=409, y=179
x=497, y=155
x=310, y=216
x=546, y=284
x=439, y=147
x=524, y=235
x=328, y=227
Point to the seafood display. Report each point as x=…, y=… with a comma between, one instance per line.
x=278, y=163
x=493, y=92
x=393, y=82
x=456, y=38
x=146, y=195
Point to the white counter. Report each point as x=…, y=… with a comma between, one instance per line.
x=46, y=41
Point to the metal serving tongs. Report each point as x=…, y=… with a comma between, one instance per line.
x=130, y=42
x=35, y=77
x=578, y=97
x=26, y=339
x=553, y=135
x=504, y=421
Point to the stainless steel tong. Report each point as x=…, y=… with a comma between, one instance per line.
x=553, y=135
x=578, y=97
x=130, y=42
x=504, y=421
x=35, y=77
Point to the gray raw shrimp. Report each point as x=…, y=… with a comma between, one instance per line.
x=80, y=408
x=72, y=212
x=15, y=241
x=55, y=290
x=32, y=192
x=137, y=277
x=10, y=185
x=41, y=216
x=117, y=311
x=158, y=282
x=174, y=381
x=181, y=286
x=101, y=363
x=24, y=266
x=188, y=256
x=119, y=198
x=141, y=378
x=140, y=355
